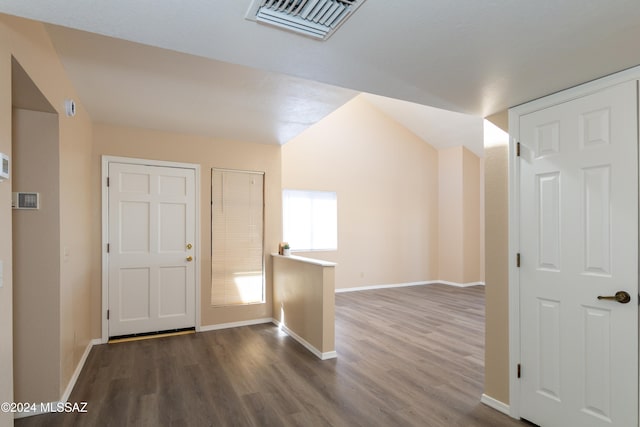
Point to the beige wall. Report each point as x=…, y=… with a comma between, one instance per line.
x=450, y=208
x=471, y=217
x=36, y=258
x=386, y=179
x=459, y=201
x=304, y=300
x=496, y=267
x=78, y=275
x=207, y=152
x=29, y=43
x=496, y=274
x=6, y=294
x=482, y=227
x=500, y=119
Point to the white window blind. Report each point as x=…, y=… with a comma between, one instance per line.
x=310, y=220
x=237, y=224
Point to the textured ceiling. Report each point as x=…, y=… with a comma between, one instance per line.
x=136, y=85
x=440, y=128
x=132, y=84
x=469, y=56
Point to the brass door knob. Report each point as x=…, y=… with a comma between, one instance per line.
x=621, y=296
x=189, y=258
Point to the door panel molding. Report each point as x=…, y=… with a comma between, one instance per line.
x=593, y=130
x=105, y=161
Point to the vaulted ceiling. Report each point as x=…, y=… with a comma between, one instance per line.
x=468, y=56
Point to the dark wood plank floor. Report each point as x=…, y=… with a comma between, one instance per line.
x=406, y=357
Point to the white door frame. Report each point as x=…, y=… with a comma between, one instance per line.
x=514, y=212
x=105, y=230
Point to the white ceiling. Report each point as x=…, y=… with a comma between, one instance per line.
x=469, y=56
x=137, y=85
x=440, y=128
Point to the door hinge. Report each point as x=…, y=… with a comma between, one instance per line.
x=108, y=247
x=519, y=371
x=107, y=181
x=518, y=259
x=109, y=312
x=517, y=149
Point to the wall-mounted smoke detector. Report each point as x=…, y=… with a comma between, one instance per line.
x=70, y=107
x=315, y=18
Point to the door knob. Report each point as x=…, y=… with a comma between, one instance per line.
x=189, y=258
x=621, y=296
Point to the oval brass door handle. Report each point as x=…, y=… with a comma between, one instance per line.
x=189, y=258
x=621, y=296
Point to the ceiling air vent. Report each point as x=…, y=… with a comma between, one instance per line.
x=314, y=18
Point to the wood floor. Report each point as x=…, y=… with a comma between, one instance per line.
x=406, y=357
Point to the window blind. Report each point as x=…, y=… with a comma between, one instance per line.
x=237, y=229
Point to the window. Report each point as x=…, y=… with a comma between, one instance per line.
x=237, y=221
x=310, y=220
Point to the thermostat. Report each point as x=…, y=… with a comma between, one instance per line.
x=25, y=200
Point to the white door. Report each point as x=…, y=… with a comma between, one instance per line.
x=151, y=238
x=578, y=241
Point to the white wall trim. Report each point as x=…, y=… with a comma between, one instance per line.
x=76, y=373
x=67, y=392
x=235, y=324
x=37, y=410
x=103, y=250
x=373, y=287
x=305, y=343
x=320, y=355
x=402, y=285
x=105, y=232
x=461, y=285
x=495, y=404
x=514, y=277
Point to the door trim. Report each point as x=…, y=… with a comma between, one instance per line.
x=105, y=231
x=514, y=213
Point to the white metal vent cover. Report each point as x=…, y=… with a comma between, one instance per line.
x=314, y=18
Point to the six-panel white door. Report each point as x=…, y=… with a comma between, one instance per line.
x=578, y=241
x=151, y=238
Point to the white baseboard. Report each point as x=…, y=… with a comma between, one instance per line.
x=36, y=409
x=495, y=404
x=460, y=285
x=234, y=324
x=373, y=287
x=320, y=355
x=40, y=408
x=402, y=285
x=76, y=373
